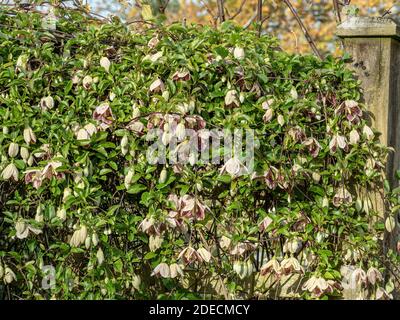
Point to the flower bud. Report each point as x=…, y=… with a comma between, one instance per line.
x=124, y=145
x=5, y=130
x=13, y=149
x=128, y=178
x=163, y=176
x=238, y=53
x=135, y=112
x=62, y=214
x=136, y=281
x=166, y=138
x=95, y=239
x=22, y=62
x=100, y=256
x=87, y=82
x=67, y=192
x=29, y=136
x=180, y=131
x=9, y=275
x=39, y=214
x=30, y=160
x=165, y=95
x=87, y=242
x=24, y=154
x=105, y=63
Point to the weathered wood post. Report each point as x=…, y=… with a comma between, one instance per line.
x=374, y=45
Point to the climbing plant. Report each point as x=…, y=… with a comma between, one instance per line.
x=88, y=213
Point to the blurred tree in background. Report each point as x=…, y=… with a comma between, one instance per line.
x=319, y=16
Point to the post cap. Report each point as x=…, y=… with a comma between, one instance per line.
x=368, y=27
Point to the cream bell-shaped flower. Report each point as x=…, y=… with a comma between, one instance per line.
x=87, y=82
x=100, y=256
x=190, y=255
x=265, y=223
x=374, y=276
x=61, y=213
x=78, y=237
x=103, y=113
x=161, y=270
x=368, y=133
x=238, y=53
x=181, y=76
x=231, y=99
x=29, y=136
x=272, y=266
x=342, y=196
x=47, y=103
x=9, y=172
x=291, y=265
x=175, y=270
x=157, y=86
x=354, y=137
x=234, y=167
x=204, y=254
x=105, y=63
x=23, y=229
x=13, y=150
x=9, y=275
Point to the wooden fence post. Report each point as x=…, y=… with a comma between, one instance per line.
x=374, y=45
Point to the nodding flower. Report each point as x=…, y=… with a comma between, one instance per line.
x=9, y=172
x=104, y=115
x=313, y=146
x=157, y=86
x=342, y=196
x=271, y=267
x=234, y=167
x=181, y=76
x=190, y=255
x=319, y=286
x=351, y=109
x=338, y=141
x=192, y=208
x=231, y=99
x=374, y=276
x=29, y=136
x=291, y=265
x=265, y=223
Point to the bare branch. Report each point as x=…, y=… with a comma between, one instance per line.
x=259, y=15
x=259, y=10
x=337, y=11
x=210, y=12
x=239, y=10
x=303, y=29
x=221, y=10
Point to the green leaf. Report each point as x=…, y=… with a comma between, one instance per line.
x=136, y=188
